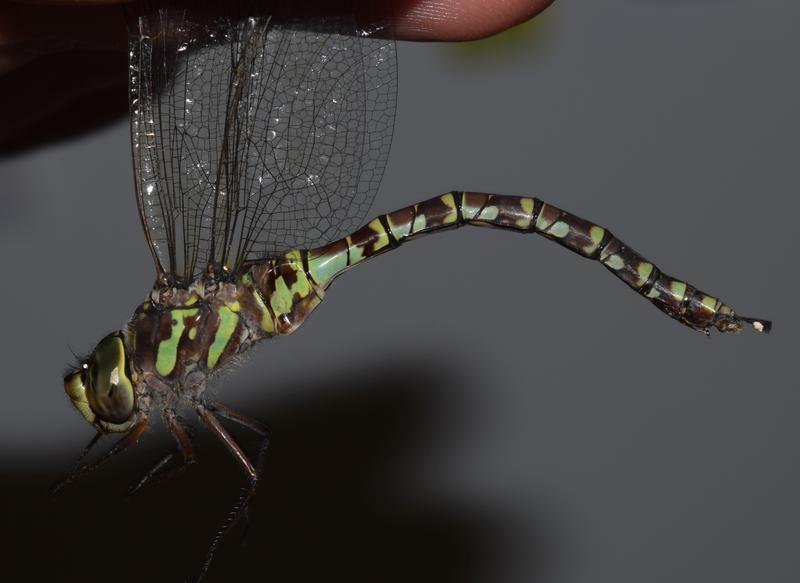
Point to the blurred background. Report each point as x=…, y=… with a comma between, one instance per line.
x=477, y=407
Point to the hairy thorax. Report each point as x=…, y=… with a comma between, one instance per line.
x=181, y=336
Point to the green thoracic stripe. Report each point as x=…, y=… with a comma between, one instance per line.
x=168, y=348
x=227, y=324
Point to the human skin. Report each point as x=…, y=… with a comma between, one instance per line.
x=63, y=62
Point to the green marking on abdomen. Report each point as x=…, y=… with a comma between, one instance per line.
x=167, y=354
x=527, y=205
x=471, y=205
x=400, y=229
x=227, y=325
x=678, y=289
x=558, y=229
x=645, y=269
x=615, y=262
x=596, y=234
x=449, y=200
x=710, y=302
x=489, y=213
x=324, y=267
x=419, y=221
x=381, y=236
x=541, y=220
x=355, y=252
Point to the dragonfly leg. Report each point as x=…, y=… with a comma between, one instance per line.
x=89, y=447
x=206, y=411
x=243, y=420
x=254, y=425
x=157, y=474
x=131, y=437
x=676, y=298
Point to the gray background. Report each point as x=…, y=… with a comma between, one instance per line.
x=478, y=406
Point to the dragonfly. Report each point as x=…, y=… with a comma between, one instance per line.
x=259, y=141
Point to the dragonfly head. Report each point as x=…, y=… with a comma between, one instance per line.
x=101, y=387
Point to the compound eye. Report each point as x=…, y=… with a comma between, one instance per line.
x=109, y=390
x=75, y=386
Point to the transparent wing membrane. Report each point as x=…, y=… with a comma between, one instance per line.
x=254, y=135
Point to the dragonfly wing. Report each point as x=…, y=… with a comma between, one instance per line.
x=254, y=135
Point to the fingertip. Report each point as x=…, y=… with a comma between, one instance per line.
x=459, y=20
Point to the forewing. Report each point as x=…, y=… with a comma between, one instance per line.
x=254, y=135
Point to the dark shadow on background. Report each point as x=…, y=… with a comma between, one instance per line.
x=45, y=112
x=340, y=499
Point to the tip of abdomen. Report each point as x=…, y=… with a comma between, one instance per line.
x=732, y=322
x=758, y=324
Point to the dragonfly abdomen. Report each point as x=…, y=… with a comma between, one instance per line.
x=675, y=297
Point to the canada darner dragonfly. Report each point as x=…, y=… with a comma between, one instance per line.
x=258, y=144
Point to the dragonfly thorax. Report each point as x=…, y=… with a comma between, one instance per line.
x=180, y=335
